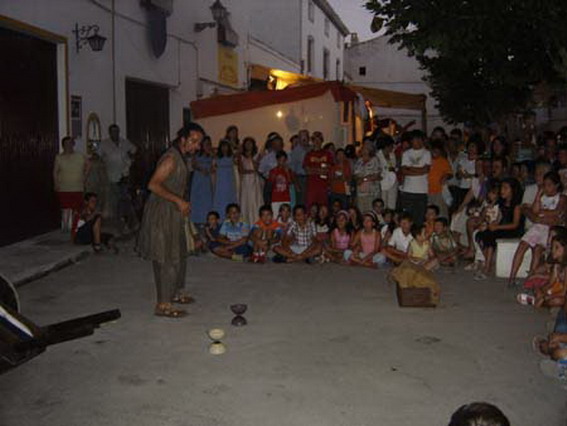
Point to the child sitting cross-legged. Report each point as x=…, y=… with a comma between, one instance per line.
x=552, y=294
x=431, y=215
x=233, y=236
x=367, y=245
x=420, y=251
x=443, y=244
x=341, y=237
x=284, y=216
x=265, y=233
x=212, y=230
x=300, y=242
x=398, y=244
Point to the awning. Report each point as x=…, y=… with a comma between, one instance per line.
x=390, y=99
x=228, y=104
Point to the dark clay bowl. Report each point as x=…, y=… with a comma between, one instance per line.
x=239, y=308
x=239, y=321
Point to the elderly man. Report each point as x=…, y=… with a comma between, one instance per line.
x=117, y=154
x=162, y=236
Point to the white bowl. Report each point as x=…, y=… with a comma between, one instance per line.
x=216, y=333
x=217, y=348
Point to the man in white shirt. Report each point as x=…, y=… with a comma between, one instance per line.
x=117, y=154
x=416, y=163
x=274, y=144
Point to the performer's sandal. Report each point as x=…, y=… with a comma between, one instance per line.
x=167, y=310
x=183, y=299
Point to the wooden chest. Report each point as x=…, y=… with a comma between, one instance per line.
x=413, y=297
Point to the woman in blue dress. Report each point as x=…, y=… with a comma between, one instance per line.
x=225, y=184
x=202, y=184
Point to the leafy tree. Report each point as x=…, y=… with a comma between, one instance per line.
x=482, y=58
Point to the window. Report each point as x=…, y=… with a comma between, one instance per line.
x=362, y=71
x=326, y=64
x=338, y=70
x=327, y=26
x=310, y=53
x=311, y=11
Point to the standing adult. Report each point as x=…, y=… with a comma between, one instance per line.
x=117, y=154
x=274, y=144
x=251, y=198
x=466, y=166
x=389, y=182
x=69, y=173
x=162, y=236
x=225, y=183
x=439, y=173
x=202, y=183
x=341, y=175
x=416, y=163
x=317, y=164
x=367, y=174
x=296, y=165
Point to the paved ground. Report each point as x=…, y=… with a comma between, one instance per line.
x=326, y=345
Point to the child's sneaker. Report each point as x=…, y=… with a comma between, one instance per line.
x=525, y=299
x=238, y=258
x=474, y=266
x=278, y=258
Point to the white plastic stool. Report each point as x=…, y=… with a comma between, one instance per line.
x=505, y=250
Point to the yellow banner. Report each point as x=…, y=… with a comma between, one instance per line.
x=228, y=65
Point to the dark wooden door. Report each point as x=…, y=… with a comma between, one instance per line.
x=28, y=136
x=147, y=126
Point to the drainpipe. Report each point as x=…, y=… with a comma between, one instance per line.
x=113, y=14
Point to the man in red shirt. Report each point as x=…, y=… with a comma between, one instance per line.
x=281, y=178
x=317, y=165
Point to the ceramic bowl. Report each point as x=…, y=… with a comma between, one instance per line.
x=217, y=348
x=239, y=321
x=239, y=308
x=216, y=334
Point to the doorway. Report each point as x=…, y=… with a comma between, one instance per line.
x=147, y=126
x=28, y=136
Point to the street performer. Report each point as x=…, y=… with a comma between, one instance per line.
x=162, y=235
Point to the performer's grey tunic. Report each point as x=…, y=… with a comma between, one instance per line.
x=162, y=235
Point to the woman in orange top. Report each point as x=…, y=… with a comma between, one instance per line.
x=439, y=172
x=341, y=175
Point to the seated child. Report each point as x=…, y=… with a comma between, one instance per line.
x=540, y=276
x=233, y=236
x=398, y=244
x=431, y=214
x=367, y=245
x=300, y=242
x=388, y=226
x=378, y=208
x=355, y=218
x=552, y=294
x=322, y=225
x=340, y=239
x=87, y=225
x=281, y=180
x=443, y=244
x=212, y=230
x=265, y=233
x=284, y=216
x=419, y=250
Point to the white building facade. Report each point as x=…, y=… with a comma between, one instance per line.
x=379, y=64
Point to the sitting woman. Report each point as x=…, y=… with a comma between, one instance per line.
x=367, y=245
x=463, y=223
x=341, y=237
x=511, y=224
x=547, y=210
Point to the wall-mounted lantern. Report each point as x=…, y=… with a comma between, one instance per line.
x=88, y=34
